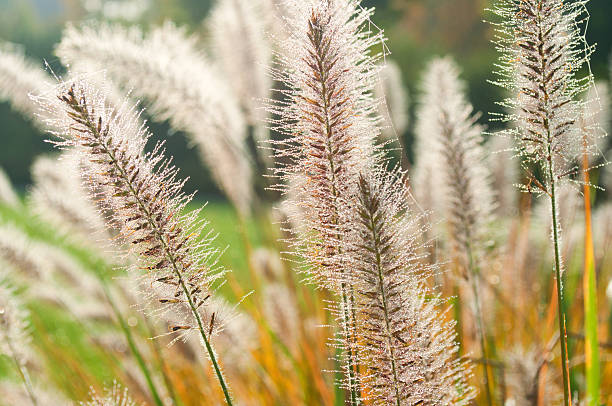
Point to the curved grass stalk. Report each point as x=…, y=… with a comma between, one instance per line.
x=544, y=53
x=141, y=192
x=407, y=347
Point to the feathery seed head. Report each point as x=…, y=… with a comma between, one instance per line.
x=454, y=156
x=15, y=394
x=282, y=313
x=60, y=196
x=8, y=195
x=394, y=109
x=142, y=195
x=166, y=69
x=504, y=173
x=327, y=117
x=408, y=346
x=20, y=77
x=240, y=45
x=14, y=335
x=543, y=50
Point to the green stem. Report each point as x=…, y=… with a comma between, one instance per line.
x=558, y=277
x=23, y=373
x=93, y=128
x=473, y=275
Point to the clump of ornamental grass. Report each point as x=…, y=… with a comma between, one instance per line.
x=14, y=335
x=407, y=346
x=327, y=118
x=457, y=163
x=543, y=52
x=179, y=84
x=140, y=192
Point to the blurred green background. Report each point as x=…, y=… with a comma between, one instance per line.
x=416, y=29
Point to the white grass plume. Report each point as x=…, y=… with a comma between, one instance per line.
x=18, y=78
x=394, y=108
x=242, y=50
x=543, y=49
x=447, y=118
x=8, y=195
x=52, y=275
x=166, y=68
x=328, y=117
x=142, y=193
x=408, y=347
x=504, y=174
x=544, y=63
x=14, y=335
x=457, y=157
x=60, y=197
x=13, y=394
x=281, y=313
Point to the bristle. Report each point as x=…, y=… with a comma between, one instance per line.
x=594, y=123
x=408, y=348
x=179, y=84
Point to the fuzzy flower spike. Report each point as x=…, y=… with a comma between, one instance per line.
x=326, y=117
x=543, y=51
x=143, y=196
x=14, y=335
x=408, y=347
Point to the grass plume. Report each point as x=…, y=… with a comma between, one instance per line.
x=179, y=84
x=543, y=49
x=142, y=194
x=408, y=346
